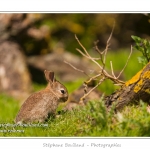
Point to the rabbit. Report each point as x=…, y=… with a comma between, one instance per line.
x=38, y=106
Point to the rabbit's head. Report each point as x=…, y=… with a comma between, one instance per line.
x=56, y=87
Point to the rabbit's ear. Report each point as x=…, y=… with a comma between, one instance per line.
x=49, y=75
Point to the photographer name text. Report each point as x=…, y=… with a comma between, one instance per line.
x=55, y=145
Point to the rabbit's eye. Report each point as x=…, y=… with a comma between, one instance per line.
x=62, y=91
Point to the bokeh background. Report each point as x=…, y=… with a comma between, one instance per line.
x=31, y=43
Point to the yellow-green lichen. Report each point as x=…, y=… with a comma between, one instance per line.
x=146, y=75
x=137, y=76
x=140, y=80
x=138, y=86
x=134, y=79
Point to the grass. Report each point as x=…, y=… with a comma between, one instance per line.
x=92, y=120
x=89, y=121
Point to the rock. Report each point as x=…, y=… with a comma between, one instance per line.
x=14, y=75
x=55, y=62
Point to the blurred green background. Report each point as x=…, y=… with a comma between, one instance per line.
x=45, y=40
x=44, y=33
x=30, y=43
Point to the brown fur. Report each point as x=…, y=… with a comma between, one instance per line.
x=39, y=105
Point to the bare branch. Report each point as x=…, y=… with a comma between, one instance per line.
x=126, y=63
x=103, y=71
x=76, y=68
x=82, y=46
x=86, y=94
x=82, y=53
x=101, y=54
x=89, y=57
x=112, y=70
x=97, y=49
x=101, y=74
x=108, y=43
x=86, y=55
x=93, y=78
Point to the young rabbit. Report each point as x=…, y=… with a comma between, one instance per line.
x=40, y=105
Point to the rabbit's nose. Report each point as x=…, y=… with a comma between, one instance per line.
x=64, y=99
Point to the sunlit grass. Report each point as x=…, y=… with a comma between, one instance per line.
x=91, y=120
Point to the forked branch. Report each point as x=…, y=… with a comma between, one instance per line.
x=102, y=74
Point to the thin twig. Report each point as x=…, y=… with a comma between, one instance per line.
x=93, y=78
x=97, y=49
x=89, y=57
x=102, y=74
x=108, y=43
x=85, y=95
x=112, y=70
x=101, y=68
x=86, y=55
x=82, y=53
x=82, y=46
x=76, y=68
x=126, y=63
x=100, y=53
